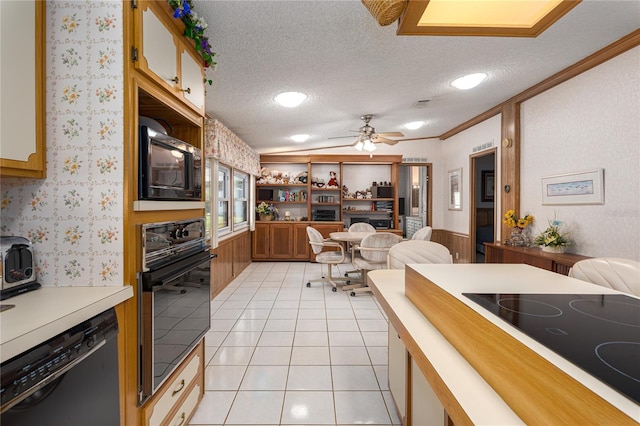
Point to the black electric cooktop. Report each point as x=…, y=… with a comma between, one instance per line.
x=599, y=333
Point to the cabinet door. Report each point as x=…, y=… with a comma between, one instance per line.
x=397, y=373
x=22, y=86
x=158, y=55
x=281, y=240
x=192, y=84
x=301, y=247
x=426, y=409
x=260, y=241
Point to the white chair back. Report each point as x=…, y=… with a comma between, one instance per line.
x=423, y=233
x=380, y=240
x=417, y=251
x=362, y=227
x=315, y=239
x=618, y=274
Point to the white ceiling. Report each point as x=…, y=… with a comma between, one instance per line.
x=335, y=52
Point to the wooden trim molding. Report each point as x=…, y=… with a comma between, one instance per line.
x=616, y=48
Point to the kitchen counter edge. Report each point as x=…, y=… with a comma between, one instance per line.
x=44, y=313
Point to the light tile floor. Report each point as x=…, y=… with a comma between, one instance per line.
x=279, y=353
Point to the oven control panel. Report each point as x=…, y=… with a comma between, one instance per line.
x=32, y=370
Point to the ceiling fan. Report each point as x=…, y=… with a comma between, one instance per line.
x=367, y=136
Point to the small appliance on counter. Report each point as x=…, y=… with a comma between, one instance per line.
x=18, y=267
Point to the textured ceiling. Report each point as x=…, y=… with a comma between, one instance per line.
x=335, y=52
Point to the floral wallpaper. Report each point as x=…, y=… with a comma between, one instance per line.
x=223, y=144
x=74, y=217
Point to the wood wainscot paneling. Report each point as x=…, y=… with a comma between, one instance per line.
x=458, y=244
x=234, y=255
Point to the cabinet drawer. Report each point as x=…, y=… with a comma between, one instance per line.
x=171, y=392
x=187, y=407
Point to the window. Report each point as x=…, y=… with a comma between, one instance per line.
x=240, y=199
x=224, y=189
x=207, y=197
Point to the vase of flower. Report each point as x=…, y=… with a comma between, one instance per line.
x=552, y=239
x=519, y=236
x=556, y=249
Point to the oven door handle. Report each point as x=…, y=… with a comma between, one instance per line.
x=153, y=281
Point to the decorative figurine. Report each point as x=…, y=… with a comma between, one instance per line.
x=333, y=182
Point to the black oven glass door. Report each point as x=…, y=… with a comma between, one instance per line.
x=175, y=316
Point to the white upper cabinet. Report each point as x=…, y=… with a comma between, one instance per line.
x=22, y=87
x=167, y=57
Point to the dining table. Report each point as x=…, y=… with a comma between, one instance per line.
x=349, y=237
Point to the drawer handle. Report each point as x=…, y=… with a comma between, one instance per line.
x=179, y=389
x=183, y=417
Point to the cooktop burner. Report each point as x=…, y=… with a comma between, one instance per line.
x=599, y=333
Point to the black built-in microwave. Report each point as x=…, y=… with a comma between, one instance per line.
x=169, y=169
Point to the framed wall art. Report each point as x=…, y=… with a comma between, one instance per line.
x=586, y=187
x=488, y=186
x=455, y=189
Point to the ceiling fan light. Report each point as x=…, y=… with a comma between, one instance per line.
x=299, y=138
x=468, y=81
x=414, y=125
x=290, y=99
x=370, y=148
x=358, y=146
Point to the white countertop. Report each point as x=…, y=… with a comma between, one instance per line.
x=48, y=311
x=505, y=278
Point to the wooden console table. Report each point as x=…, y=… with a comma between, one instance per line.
x=534, y=256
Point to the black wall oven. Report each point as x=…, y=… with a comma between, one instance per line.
x=174, y=295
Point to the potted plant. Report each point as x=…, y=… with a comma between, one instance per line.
x=552, y=239
x=266, y=211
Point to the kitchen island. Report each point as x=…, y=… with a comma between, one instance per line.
x=462, y=378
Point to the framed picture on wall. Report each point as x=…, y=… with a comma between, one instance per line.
x=488, y=186
x=455, y=189
x=586, y=187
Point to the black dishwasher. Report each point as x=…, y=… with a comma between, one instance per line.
x=71, y=379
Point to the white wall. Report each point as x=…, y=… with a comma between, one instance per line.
x=591, y=121
x=455, y=154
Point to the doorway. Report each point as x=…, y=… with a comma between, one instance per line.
x=482, y=215
x=414, y=197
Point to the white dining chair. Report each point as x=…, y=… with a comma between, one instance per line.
x=618, y=274
x=371, y=254
x=330, y=258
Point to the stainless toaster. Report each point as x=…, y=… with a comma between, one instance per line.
x=18, y=263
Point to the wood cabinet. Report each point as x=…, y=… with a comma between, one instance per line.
x=22, y=75
x=176, y=400
x=534, y=256
x=166, y=57
x=283, y=240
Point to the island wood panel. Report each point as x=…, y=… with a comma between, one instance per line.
x=221, y=267
x=514, y=371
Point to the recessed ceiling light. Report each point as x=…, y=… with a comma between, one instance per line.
x=299, y=138
x=290, y=99
x=468, y=81
x=414, y=125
